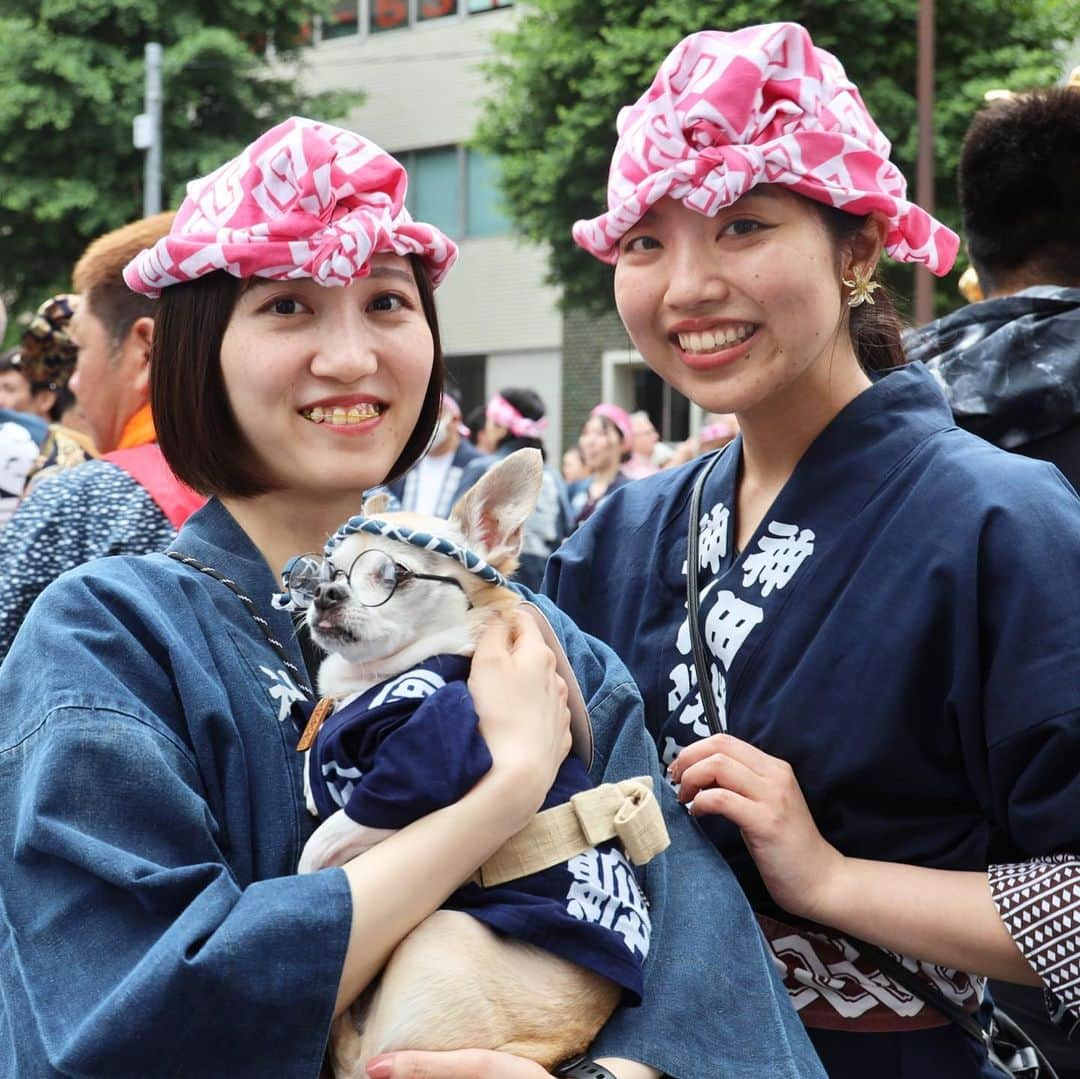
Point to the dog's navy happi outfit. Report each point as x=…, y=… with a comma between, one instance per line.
x=412, y=745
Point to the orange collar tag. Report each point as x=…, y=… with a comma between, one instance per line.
x=318, y=718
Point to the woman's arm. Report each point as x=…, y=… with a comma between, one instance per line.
x=521, y=703
x=940, y=916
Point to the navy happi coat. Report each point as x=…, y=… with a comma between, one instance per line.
x=903, y=628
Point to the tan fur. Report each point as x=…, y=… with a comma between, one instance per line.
x=452, y=983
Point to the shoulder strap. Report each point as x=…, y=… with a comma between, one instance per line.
x=146, y=465
x=693, y=596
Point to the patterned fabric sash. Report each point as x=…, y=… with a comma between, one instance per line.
x=834, y=988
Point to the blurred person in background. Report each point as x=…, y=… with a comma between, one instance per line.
x=129, y=501
x=718, y=430
x=643, y=442
x=516, y=418
x=1010, y=363
x=573, y=465
x=476, y=422
x=34, y=442
x=605, y=445
x=433, y=484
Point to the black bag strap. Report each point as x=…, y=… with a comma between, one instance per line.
x=693, y=596
x=1026, y=1059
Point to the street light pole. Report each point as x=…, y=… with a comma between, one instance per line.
x=146, y=131
x=924, y=181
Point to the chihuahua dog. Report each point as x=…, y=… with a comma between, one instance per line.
x=399, y=604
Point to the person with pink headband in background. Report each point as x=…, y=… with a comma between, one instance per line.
x=605, y=441
x=873, y=719
x=151, y=797
x=516, y=418
x=433, y=484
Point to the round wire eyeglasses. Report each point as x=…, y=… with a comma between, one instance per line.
x=373, y=577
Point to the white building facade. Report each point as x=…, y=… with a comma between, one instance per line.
x=417, y=62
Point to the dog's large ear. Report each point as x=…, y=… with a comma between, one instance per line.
x=375, y=505
x=492, y=512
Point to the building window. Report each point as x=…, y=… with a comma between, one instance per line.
x=435, y=188
x=455, y=189
x=395, y=14
x=343, y=19
x=388, y=15
x=435, y=9
x=484, y=213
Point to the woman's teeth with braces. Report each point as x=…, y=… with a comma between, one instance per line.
x=713, y=340
x=342, y=417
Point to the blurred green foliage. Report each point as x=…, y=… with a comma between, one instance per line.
x=71, y=82
x=559, y=78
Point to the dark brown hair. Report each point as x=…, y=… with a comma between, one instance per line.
x=1018, y=173
x=196, y=428
x=875, y=328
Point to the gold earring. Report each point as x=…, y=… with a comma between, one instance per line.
x=862, y=285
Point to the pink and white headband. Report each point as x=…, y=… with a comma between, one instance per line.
x=500, y=411
x=306, y=199
x=618, y=416
x=762, y=105
x=451, y=406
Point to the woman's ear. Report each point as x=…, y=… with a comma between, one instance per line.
x=867, y=244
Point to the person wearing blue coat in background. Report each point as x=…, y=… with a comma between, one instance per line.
x=888, y=607
x=151, y=804
x=433, y=484
x=516, y=419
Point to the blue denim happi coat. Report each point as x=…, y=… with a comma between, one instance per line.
x=151, y=819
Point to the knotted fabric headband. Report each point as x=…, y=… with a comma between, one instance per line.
x=306, y=199
x=500, y=411
x=618, y=416
x=762, y=105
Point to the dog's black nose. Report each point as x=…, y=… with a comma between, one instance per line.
x=330, y=594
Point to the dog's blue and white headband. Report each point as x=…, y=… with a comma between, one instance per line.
x=427, y=541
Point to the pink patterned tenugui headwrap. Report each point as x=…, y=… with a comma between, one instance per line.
x=763, y=105
x=306, y=199
x=500, y=411
x=618, y=416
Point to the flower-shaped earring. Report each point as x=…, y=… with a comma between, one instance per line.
x=862, y=285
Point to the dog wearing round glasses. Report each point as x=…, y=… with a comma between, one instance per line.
x=534, y=965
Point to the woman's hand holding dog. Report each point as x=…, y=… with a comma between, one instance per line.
x=521, y=702
x=760, y=794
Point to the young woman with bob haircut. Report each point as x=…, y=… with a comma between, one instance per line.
x=151, y=804
x=888, y=608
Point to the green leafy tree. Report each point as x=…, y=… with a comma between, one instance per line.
x=71, y=82
x=559, y=78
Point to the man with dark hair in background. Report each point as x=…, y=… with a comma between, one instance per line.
x=128, y=502
x=1010, y=364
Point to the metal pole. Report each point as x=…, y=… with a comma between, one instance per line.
x=924, y=183
x=152, y=164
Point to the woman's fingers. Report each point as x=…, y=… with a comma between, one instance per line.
x=459, y=1064
x=728, y=746
x=721, y=770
